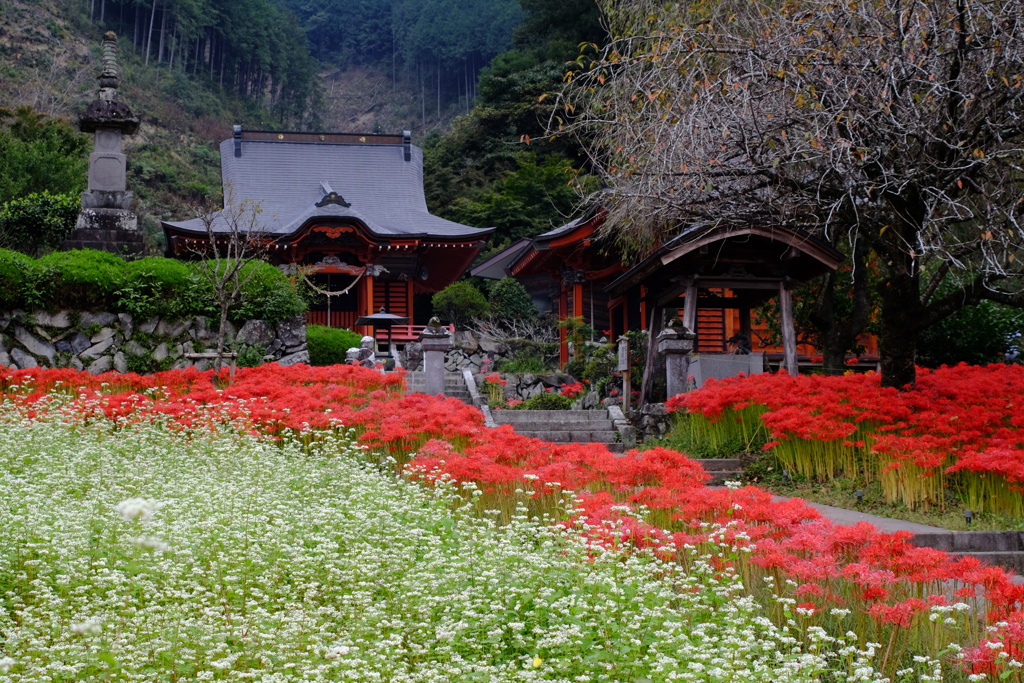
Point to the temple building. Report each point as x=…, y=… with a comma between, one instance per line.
x=709, y=276
x=347, y=212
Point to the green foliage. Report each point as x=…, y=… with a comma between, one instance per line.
x=459, y=303
x=83, y=279
x=157, y=287
x=510, y=302
x=482, y=174
x=268, y=295
x=39, y=222
x=13, y=268
x=555, y=28
x=545, y=401
x=146, y=364
x=38, y=154
x=327, y=345
x=974, y=334
x=522, y=365
x=250, y=356
x=87, y=280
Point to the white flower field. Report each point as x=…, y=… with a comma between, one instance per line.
x=139, y=552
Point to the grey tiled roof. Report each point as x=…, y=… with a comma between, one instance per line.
x=285, y=179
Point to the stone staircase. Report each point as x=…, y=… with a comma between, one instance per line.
x=454, y=385
x=563, y=426
x=721, y=469
x=1000, y=548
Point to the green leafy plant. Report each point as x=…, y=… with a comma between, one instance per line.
x=39, y=222
x=545, y=401
x=250, y=356
x=510, y=302
x=459, y=303
x=267, y=295
x=522, y=365
x=327, y=345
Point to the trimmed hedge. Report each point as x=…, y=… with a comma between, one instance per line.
x=89, y=280
x=327, y=345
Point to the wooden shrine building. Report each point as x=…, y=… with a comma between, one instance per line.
x=709, y=276
x=565, y=271
x=348, y=208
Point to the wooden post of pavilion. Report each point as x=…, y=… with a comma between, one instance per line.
x=690, y=306
x=788, y=328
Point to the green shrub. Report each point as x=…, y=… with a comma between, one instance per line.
x=327, y=345
x=546, y=401
x=459, y=303
x=84, y=279
x=268, y=295
x=525, y=364
x=39, y=222
x=13, y=267
x=250, y=356
x=510, y=302
x=157, y=287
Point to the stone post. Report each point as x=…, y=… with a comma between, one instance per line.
x=106, y=221
x=675, y=343
x=436, y=341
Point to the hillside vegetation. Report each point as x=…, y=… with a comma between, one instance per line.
x=192, y=68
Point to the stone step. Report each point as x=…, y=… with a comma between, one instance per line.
x=569, y=423
x=568, y=435
x=517, y=416
x=1011, y=560
x=720, y=464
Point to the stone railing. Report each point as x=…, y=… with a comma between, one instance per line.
x=99, y=342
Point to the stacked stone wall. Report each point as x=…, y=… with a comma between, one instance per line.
x=100, y=342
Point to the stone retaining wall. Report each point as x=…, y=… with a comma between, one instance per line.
x=519, y=387
x=467, y=351
x=99, y=342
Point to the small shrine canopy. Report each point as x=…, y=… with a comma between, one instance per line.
x=344, y=205
x=729, y=267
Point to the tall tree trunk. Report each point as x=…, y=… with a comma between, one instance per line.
x=149, y=34
x=900, y=310
x=163, y=34
x=174, y=43
x=423, y=96
x=103, y=10
x=438, y=88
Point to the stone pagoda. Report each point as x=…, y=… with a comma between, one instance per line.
x=106, y=221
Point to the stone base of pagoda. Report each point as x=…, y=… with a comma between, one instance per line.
x=113, y=230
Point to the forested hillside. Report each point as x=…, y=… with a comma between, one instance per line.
x=191, y=68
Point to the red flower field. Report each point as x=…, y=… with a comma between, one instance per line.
x=960, y=422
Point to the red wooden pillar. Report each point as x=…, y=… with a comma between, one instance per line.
x=643, y=307
x=365, y=290
x=563, y=335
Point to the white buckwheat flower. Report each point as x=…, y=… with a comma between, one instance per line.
x=137, y=508
x=90, y=627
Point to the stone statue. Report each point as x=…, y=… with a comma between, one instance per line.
x=367, y=357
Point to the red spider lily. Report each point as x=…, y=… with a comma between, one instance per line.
x=654, y=498
x=572, y=390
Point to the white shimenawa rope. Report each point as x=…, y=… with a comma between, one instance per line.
x=338, y=293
